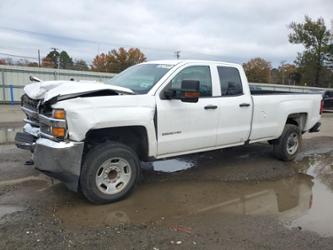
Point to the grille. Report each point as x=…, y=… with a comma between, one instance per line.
x=29, y=103
x=32, y=105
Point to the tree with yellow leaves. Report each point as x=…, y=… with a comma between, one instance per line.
x=116, y=61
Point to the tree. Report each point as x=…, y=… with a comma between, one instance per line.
x=66, y=62
x=20, y=62
x=2, y=61
x=26, y=63
x=48, y=63
x=287, y=74
x=80, y=64
x=258, y=70
x=122, y=59
x=7, y=61
x=32, y=64
x=117, y=60
x=100, y=63
x=53, y=58
x=328, y=57
x=315, y=38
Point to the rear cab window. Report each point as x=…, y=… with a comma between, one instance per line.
x=230, y=81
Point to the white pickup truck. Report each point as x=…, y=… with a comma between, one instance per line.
x=92, y=136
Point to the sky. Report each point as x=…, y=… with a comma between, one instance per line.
x=232, y=31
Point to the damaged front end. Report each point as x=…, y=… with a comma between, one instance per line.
x=45, y=132
x=45, y=135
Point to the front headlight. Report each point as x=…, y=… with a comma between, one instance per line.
x=58, y=128
x=58, y=132
x=58, y=114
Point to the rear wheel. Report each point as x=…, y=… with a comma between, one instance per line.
x=109, y=172
x=287, y=146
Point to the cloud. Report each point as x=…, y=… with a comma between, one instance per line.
x=222, y=30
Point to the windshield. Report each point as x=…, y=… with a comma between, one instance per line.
x=140, y=78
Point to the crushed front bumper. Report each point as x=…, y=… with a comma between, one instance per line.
x=315, y=128
x=25, y=141
x=61, y=160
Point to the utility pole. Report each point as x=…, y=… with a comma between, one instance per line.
x=58, y=59
x=38, y=58
x=282, y=69
x=58, y=62
x=177, y=53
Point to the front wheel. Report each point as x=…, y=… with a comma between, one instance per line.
x=109, y=172
x=287, y=146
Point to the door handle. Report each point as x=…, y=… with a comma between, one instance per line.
x=211, y=107
x=244, y=105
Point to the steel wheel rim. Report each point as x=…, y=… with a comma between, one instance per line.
x=292, y=143
x=113, y=175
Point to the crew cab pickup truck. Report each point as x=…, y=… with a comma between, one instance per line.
x=93, y=136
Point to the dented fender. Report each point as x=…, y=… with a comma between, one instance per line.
x=85, y=114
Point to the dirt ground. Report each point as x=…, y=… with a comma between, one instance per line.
x=237, y=198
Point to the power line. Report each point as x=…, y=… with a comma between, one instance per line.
x=177, y=53
x=98, y=42
x=80, y=39
x=18, y=56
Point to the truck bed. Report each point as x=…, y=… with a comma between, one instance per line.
x=271, y=89
x=271, y=109
x=277, y=92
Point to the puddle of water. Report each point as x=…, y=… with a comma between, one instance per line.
x=172, y=200
x=9, y=209
x=304, y=200
x=171, y=165
x=318, y=218
x=213, y=158
x=7, y=135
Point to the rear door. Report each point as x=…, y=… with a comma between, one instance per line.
x=235, y=106
x=185, y=127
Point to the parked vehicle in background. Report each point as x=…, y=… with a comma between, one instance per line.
x=93, y=136
x=328, y=100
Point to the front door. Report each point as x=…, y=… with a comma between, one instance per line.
x=185, y=127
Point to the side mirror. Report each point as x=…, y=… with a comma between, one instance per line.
x=169, y=94
x=190, y=91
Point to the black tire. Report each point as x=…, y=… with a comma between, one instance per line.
x=281, y=146
x=94, y=161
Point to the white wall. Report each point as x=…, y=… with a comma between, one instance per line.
x=19, y=77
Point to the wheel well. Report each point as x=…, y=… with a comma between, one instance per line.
x=298, y=119
x=133, y=136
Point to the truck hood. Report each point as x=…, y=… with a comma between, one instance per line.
x=51, y=89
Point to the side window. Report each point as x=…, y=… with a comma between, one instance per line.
x=197, y=73
x=230, y=81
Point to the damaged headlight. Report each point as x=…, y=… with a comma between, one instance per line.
x=59, y=114
x=58, y=126
x=53, y=125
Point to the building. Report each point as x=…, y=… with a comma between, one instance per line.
x=328, y=57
